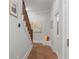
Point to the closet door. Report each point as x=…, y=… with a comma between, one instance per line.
x=66, y=28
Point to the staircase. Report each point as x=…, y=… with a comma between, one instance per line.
x=26, y=20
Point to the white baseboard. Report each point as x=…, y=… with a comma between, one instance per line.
x=59, y=56
x=54, y=50
x=28, y=52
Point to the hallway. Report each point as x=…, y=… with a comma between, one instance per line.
x=38, y=30
x=42, y=52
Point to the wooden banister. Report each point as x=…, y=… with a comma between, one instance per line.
x=26, y=19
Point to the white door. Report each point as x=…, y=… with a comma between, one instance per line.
x=66, y=31
x=66, y=28
x=64, y=18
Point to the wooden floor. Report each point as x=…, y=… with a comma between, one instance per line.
x=42, y=52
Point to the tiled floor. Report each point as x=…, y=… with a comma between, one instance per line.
x=42, y=52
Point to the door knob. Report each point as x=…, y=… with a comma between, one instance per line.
x=19, y=25
x=68, y=42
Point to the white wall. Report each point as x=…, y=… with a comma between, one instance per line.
x=44, y=18
x=59, y=44
x=56, y=43
x=19, y=43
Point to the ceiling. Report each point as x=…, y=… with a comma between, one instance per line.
x=38, y=5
